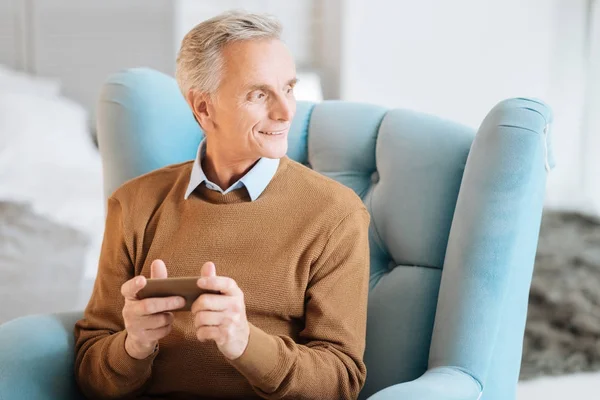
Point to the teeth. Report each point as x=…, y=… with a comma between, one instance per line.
x=271, y=133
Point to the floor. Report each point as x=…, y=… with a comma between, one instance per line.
x=567, y=387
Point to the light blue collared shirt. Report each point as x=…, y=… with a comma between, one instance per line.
x=255, y=181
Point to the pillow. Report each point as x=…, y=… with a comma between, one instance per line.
x=19, y=82
x=43, y=129
x=47, y=160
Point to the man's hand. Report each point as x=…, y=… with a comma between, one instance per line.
x=221, y=317
x=148, y=320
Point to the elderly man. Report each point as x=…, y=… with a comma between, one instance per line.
x=286, y=248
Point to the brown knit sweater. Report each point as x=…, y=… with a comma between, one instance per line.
x=300, y=255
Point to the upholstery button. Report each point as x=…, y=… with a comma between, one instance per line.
x=375, y=177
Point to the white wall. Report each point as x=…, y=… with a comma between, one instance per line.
x=82, y=42
x=298, y=17
x=566, y=184
x=11, y=33
x=458, y=59
x=455, y=59
x=591, y=143
x=328, y=47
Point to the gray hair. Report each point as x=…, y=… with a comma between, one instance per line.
x=200, y=61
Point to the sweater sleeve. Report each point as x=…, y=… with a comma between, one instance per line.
x=328, y=364
x=103, y=368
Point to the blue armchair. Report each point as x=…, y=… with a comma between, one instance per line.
x=455, y=223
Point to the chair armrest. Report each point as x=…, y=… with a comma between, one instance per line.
x=37, y=357
x=482, y=302
x=442, y=383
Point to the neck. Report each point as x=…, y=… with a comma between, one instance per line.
x=223, y=169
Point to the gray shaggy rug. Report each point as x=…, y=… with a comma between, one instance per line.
x=562, y=334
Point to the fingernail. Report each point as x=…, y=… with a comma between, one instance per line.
x=139, y=281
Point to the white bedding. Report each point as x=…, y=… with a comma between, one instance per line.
x=47, y=157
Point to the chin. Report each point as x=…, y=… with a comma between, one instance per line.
x=275, y=147
x=278, y=151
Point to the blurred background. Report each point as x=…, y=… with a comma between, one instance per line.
x=455, y=59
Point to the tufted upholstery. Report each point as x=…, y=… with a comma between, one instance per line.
x=455, y=221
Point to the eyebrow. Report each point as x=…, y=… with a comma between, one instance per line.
x=267, y=88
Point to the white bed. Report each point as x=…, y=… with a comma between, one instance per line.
x=48, y=159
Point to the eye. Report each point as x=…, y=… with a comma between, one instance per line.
x=290, y=90
x=257, y=95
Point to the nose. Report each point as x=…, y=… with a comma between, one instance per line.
x=283, y=109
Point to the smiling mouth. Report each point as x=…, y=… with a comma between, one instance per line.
x=273, y=133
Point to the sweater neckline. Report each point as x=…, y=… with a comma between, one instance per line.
x=236, y=196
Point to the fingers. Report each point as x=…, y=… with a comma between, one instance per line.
x=156, y=305
x=209, y=318
x=156, y=321
x=208, y=269
x=130, y=288
x=210, y=333
x=149, y=322
x=150, y=327
x=158, y=269
x=214, y=302
x=157, y=334
x=222, y=284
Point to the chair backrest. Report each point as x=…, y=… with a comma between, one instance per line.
x=406, y=166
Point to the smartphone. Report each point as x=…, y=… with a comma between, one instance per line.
x=185, y=287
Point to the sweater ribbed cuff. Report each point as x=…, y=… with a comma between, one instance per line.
x=262, y=361
x=123, y=364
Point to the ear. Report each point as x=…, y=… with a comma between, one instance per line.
x=199, y=103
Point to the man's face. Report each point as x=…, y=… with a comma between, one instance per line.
x=254, y=105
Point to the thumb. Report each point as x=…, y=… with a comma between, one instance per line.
x=158, y=269
x=208, y=269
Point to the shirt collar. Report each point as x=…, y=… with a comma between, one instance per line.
x=256, y=180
